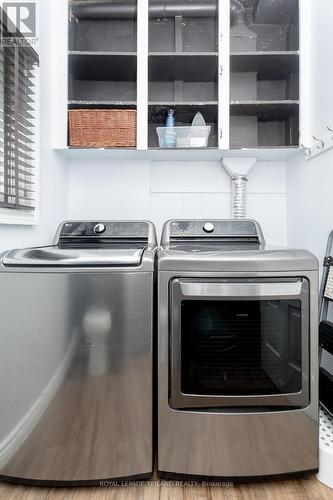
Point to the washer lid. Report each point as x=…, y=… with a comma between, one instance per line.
x=53, y=256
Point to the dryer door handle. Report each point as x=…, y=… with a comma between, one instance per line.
x=241, y=289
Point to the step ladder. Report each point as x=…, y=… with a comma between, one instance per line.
x=325, y=474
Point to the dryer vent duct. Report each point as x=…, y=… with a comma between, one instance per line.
x=127, y=9
x=239, y=169
x=240, y=32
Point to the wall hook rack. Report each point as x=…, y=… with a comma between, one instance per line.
x=322, y=143
x=307, y=150
x=330, y=129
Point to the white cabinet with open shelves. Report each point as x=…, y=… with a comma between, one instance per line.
x=240, y=63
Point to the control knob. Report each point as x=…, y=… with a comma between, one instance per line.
x=100, y=228
x=209, y=227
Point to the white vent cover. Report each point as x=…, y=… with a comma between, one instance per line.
x=325, y=474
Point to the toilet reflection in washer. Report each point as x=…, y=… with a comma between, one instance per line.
x=97, y=328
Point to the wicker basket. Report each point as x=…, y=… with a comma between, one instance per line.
x=102, y=128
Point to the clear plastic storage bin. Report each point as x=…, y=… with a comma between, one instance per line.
x=185, y=137
x=325, y=475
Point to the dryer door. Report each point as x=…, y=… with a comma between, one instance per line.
x=239, y=343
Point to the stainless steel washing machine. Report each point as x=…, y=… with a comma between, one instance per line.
x=76, y=355
x=237, y=353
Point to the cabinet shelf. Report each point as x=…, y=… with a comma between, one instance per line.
x=101, y=53
x=264, y=124
x=75, y=104
x=183, y=103
x=265, y=53
x=100, y=34
x=103, y=66
x=270, y=64
x=183, y=32
x=265, y=110
x=182, y=54
x=196, y=67
x=184, y=113
x=209, y=154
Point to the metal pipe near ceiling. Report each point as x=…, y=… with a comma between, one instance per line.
x=127, y=9
x=189, y=8
x=104, y=10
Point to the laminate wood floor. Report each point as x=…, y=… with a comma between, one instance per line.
x=276, y=490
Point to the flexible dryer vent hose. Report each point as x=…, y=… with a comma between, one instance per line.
x=239, y=169
x=239, y=198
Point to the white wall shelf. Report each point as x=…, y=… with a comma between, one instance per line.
x=210, y=154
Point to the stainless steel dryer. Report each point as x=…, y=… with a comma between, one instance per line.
x=76, y=355
x=237, y=353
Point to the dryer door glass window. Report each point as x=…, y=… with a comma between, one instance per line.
x=241, y=347
x=239, y=343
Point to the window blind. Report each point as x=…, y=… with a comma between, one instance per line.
x=18, y=71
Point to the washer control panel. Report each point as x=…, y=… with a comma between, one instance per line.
x=104, y=229
x=100, y=228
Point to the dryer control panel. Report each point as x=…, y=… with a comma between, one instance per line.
x=213, y=228
x=212, y=231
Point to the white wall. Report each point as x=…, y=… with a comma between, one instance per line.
x=310, y=202
x=53, y=169
x=162, y=190
x=21, y=406
x=310, y=209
